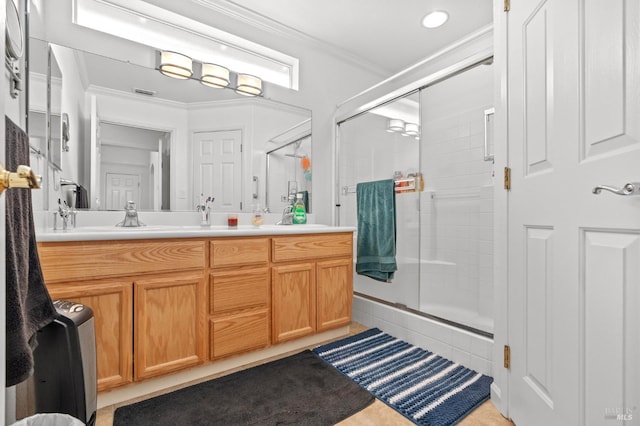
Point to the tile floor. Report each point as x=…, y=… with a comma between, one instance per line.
x=377, y=413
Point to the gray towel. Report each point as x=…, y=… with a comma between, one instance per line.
x=29, y=305
x=376, y=229
x=82, y=200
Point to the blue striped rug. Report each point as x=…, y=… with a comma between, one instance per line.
x=424, y=387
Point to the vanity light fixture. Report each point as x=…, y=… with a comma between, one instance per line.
x=395, y=125
x=411, y=129
x=249, y=85
x=180, y=66
x=175, y=65
x=435, y=19
x=214, y=75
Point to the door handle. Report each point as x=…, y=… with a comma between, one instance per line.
x=631, y=188
x=23, y=177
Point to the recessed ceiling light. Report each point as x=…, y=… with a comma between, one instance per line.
x=435, y=19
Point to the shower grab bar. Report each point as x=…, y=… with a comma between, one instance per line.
x=488, y=113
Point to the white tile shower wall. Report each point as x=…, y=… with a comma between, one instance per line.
x=471, y=350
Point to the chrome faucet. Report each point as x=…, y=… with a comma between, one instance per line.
x=287, y=214
x=67, y=215
x=130, y=216
x=204, y=208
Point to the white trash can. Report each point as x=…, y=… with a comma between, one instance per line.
x=49, y=419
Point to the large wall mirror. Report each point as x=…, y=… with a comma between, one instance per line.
x=135, y=134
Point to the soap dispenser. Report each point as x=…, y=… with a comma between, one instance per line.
x=299, y=211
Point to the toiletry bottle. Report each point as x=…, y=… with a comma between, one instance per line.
x=257, y=218
x=299, y=212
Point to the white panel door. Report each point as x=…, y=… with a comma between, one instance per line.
x=217, y=163
x=121, y=188
x=574, y=257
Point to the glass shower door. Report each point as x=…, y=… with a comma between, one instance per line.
x=456, y=263
x=376, y=145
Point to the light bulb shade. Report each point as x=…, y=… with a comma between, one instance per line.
x=249, y=85
x=175, y=65
x=411, y=129
x=214, y=75
x=395, y=125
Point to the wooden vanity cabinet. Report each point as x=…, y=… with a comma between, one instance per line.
x=312, y=278
x=148, y=299
x=164, y=305
x=112, y=304
x=239, y=296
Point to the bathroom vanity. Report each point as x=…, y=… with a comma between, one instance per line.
x=170, y=299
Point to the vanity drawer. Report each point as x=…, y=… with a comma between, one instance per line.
x=239, y=251
x=301, y=247
x=233, y=290
x=239, y=333
x=97, y=259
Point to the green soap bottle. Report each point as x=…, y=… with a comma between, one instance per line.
x=299, y=212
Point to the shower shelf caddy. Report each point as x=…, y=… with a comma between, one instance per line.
x=407, y=185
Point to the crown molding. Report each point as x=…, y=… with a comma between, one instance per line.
x=259, y=21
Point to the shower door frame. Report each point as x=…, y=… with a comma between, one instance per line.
x=434, y=78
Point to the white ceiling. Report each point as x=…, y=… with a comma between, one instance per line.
x=386, y=34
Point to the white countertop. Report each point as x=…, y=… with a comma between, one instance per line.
x=91, y=233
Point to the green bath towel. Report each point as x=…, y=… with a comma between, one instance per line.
x=376, y=230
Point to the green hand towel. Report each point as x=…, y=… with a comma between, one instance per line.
x=376, y=230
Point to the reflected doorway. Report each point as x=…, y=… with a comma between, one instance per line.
x=132, y=156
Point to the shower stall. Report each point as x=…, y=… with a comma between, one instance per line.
x=436, y=142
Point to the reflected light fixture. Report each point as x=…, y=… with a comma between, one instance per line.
x=435, y=19
x=214, y=75
x=395, y=125
x=175, y=65
x=249, y=85
x=411, y=129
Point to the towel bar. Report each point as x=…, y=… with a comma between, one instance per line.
x=23, y=177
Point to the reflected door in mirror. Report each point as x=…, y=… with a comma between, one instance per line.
x=122, y=188
x=218, y=168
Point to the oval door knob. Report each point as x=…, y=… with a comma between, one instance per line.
x=631, y=188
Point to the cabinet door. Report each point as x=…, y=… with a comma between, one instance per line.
x=111, y=303
x=169, y=323
x=294, y=301
x=335, y=292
